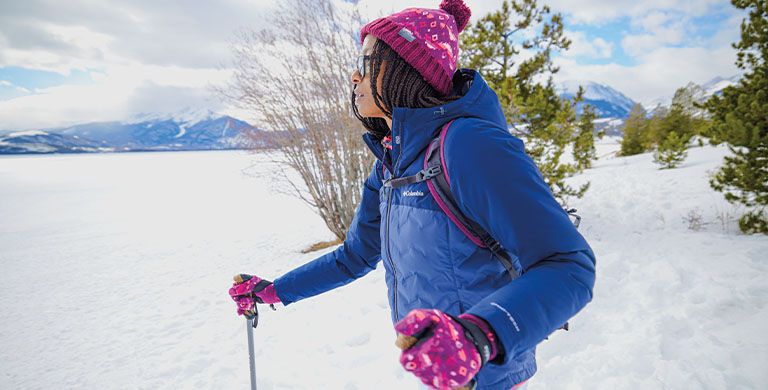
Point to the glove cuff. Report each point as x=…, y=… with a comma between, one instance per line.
x=481, y=334
x=268, y=294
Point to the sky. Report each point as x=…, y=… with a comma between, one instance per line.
x=79, y=61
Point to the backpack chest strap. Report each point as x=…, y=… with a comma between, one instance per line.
x=423, y=175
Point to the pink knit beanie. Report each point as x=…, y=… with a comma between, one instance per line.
x=428, y=39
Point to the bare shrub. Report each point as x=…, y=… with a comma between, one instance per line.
x=694, y=220
x=295, y=79
x=728, y=217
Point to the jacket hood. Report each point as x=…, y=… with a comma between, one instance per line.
x=414, y=128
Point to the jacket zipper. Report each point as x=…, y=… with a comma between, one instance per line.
x=389, y=254
x=389, y=250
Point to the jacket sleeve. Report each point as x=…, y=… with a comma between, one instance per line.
x=359, y=254
x=498, y=185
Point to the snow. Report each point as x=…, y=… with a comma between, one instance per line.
x=188, y=115
x=709, y=88
x=226, y=127
x=595, y=91
x=182, y=131
x=116, y=269
x=27, y=133
x=718, y=84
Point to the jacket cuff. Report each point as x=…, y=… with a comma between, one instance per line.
x=486, y=329
x=504, y=325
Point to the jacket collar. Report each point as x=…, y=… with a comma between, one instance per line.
x=414, y=128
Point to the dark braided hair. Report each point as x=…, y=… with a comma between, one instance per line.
x=403, y=86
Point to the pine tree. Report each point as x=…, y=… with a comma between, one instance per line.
x=676, y=121
x=635, y=132
x=740, y=118
x=547, y=123
x=672, y=151
x=702, y=127
x=653, y=135
x=584, y=151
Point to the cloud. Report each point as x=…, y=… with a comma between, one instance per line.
x=581, y=46
x=658, y=73
x=9, y=90
x=119, y=94
x=659, y=29
x=141, y=55
x=54, y=35
x=145, y=55
x=599, y=11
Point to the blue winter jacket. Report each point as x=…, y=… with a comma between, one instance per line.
x=430, y=263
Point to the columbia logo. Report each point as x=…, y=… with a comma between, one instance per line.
x=413, y=193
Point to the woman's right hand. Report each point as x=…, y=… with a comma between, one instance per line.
x=248, y=290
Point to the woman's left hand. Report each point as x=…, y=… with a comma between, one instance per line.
x=436, y=349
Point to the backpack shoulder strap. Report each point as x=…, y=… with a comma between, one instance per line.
x=440, y=187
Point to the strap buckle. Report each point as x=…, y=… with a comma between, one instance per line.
x=428, y=173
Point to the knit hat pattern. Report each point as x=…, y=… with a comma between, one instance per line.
x=425, y=38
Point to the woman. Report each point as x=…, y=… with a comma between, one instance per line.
x=470, y=319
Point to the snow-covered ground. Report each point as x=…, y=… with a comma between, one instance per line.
x=115, y=270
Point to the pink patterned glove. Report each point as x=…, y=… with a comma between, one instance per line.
x=248, y=290
x=444, y=351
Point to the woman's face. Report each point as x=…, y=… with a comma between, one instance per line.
x=362, y=84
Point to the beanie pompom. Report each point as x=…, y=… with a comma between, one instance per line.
x=459, y=10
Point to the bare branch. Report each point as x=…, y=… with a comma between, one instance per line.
x=296, y=80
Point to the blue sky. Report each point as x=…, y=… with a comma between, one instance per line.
x=699, y=31
x=63, y=63
x=20, y=81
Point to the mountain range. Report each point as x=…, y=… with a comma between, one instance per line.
x=202, y=129
x=613, y=107
x=187, y=130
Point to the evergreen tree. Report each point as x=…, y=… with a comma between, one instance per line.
x=547, y=123
x=672, y=151
x=635, y=132
x=702, y=127
x=584, y=151
x=740, y=118
x=653, y=135
x=676, y=121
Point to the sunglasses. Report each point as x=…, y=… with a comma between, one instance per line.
x=364, y=61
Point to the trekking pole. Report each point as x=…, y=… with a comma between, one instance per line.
x=252, y=319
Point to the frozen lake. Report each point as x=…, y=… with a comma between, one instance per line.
x=114, y=272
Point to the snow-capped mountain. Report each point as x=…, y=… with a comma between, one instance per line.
x=37, y=141
x=186, y=116
x=700, y=93
x=607, y=101
x=611, y=106
x=718, y=84
x=186, y=130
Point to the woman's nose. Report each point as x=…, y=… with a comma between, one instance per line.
x=356, y=78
